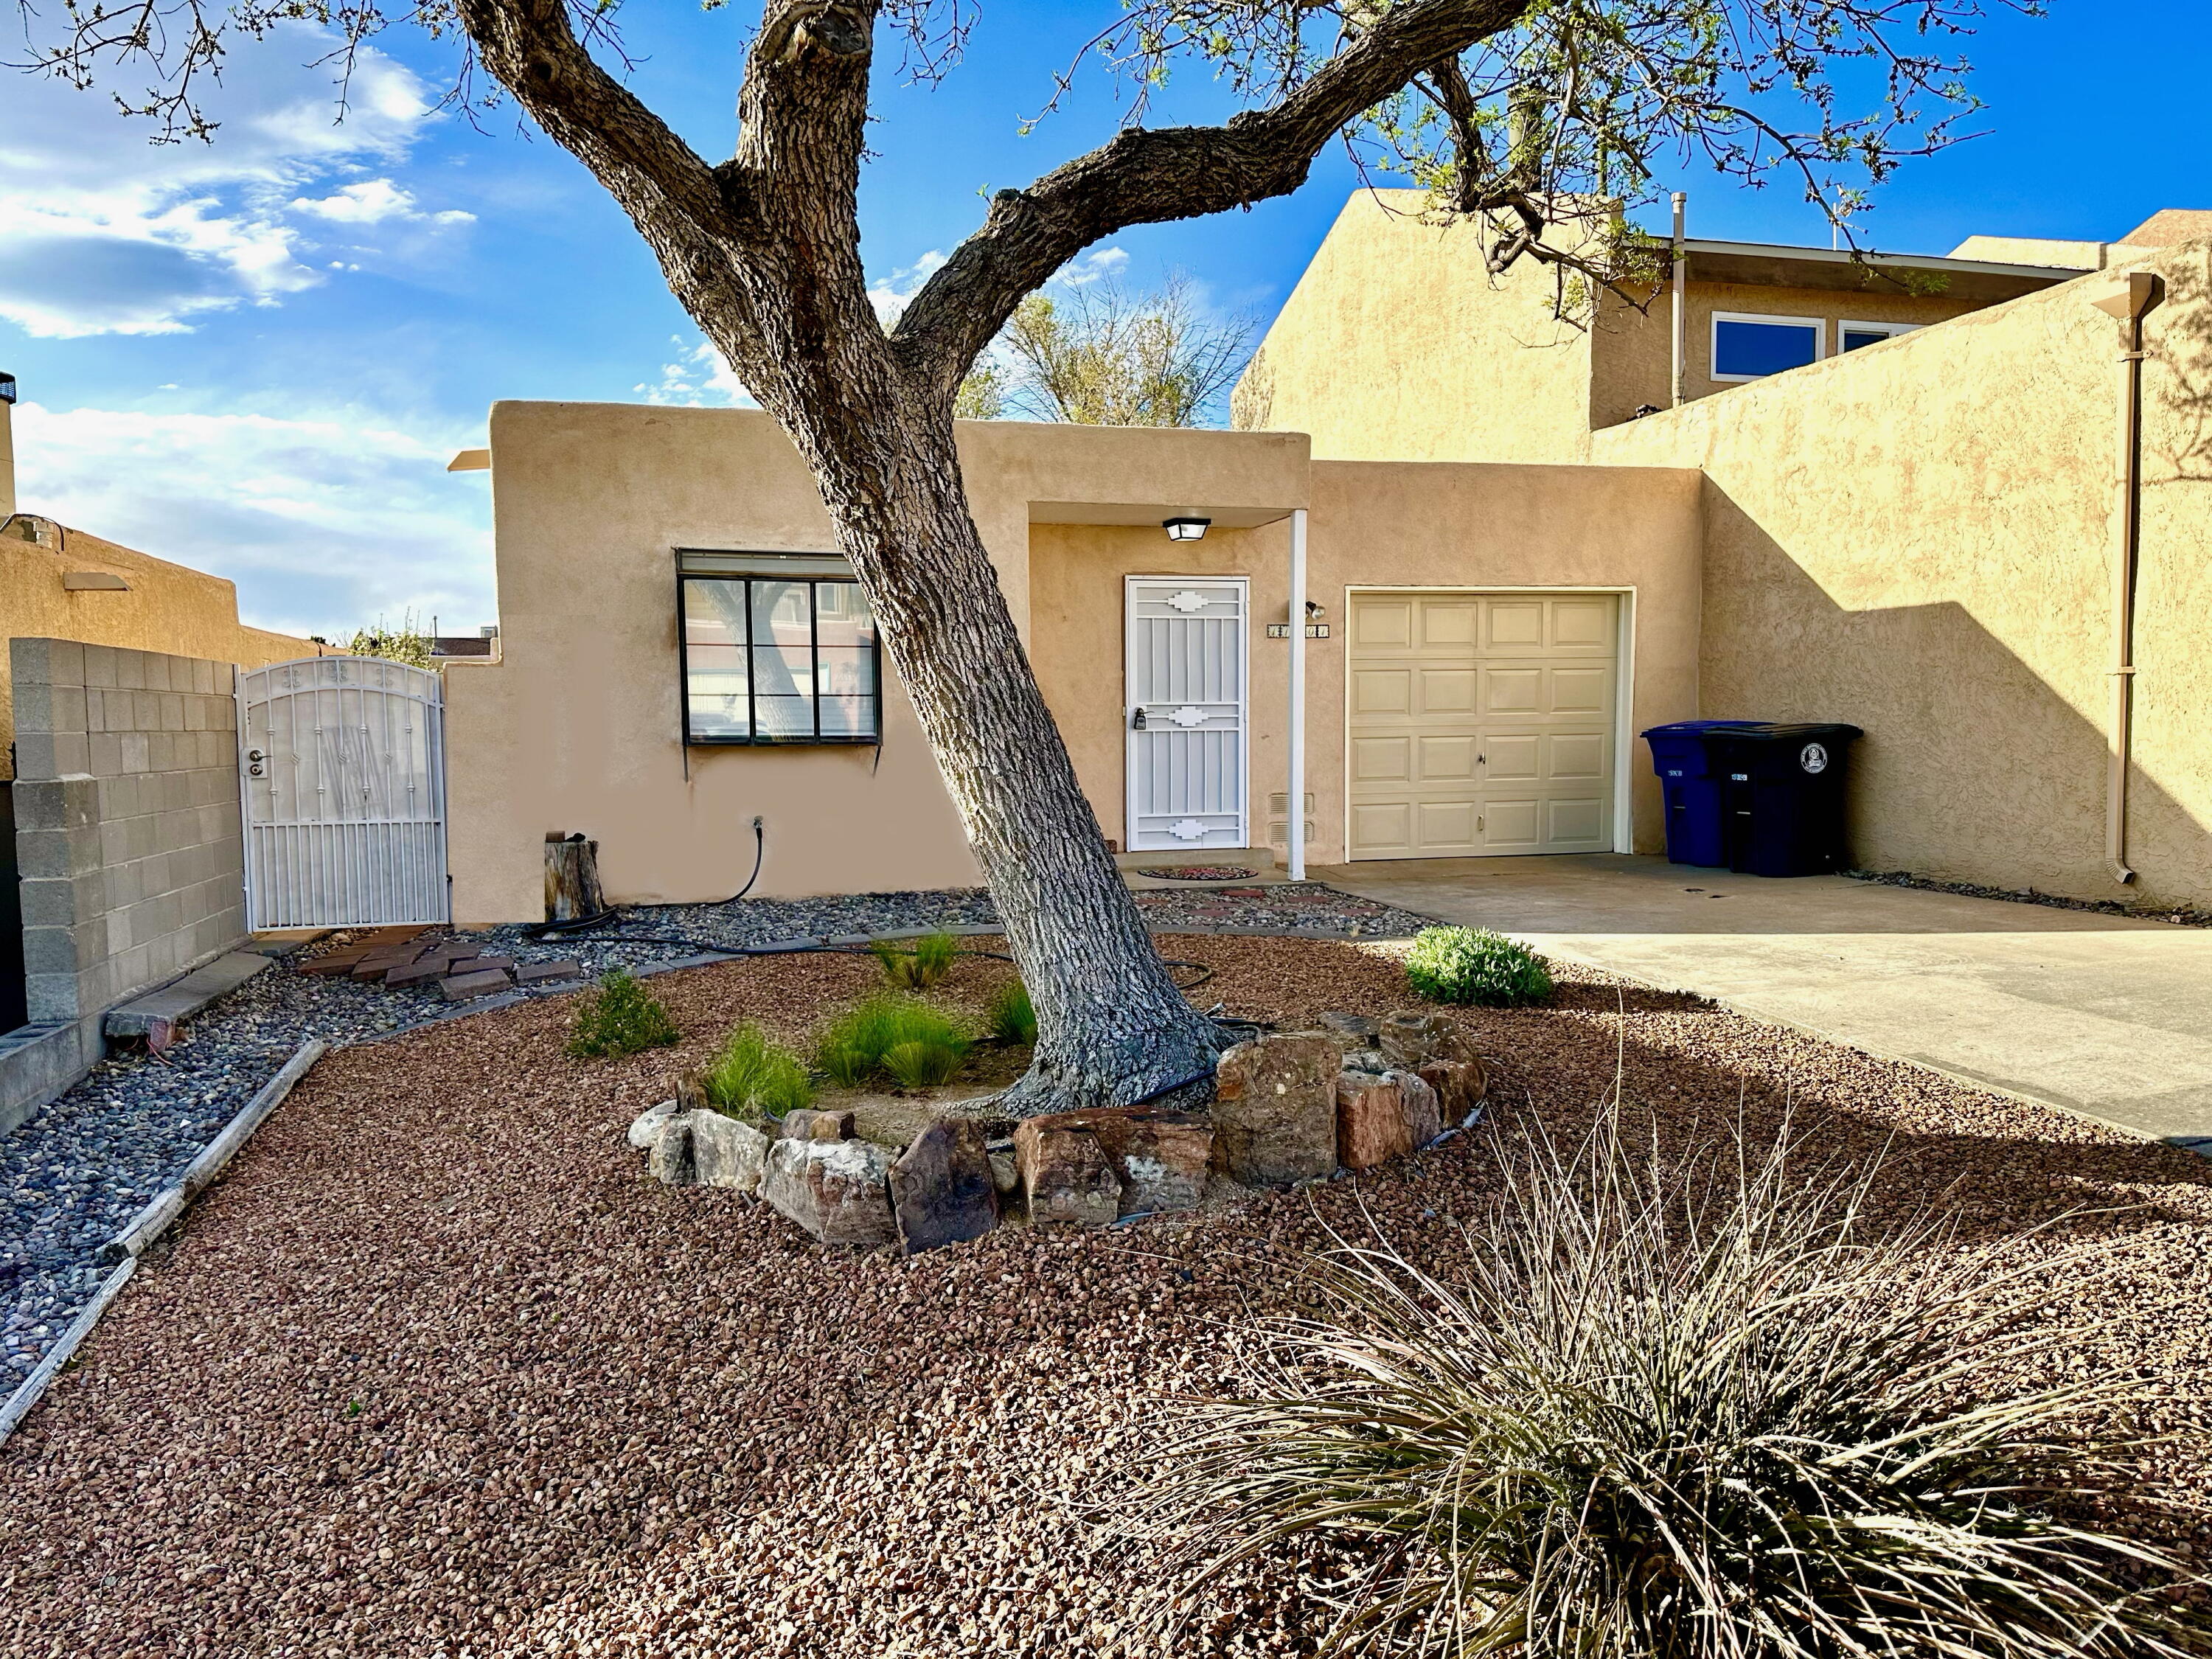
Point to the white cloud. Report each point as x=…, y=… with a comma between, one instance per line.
x=1089, y=268
x=102, y=232
x=698, y=379
x=890, y=295
x=324, y=523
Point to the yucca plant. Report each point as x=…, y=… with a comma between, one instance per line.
x=1008, y=1016
x=852, y=1048
x=1649, y=1414
x=923, y=966
x=752, y=1076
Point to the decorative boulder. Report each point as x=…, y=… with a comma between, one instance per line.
x=941, y=1187
x=1065, y=1176
x=645, y=1129
x=1424, y=1115
x=1460, y=1086
x=1006, y=1172
x=1411, y=1039
x=807, y=1124
x=670, y=1160
x=1159, y=1156
x=833, y=1188
x=1352, y=1032
x=1371, y=1121
x=727, y=1153
x=1274, y=1109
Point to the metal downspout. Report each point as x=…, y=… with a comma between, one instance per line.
x=1294, y=830
x=1680, y=316
x=2141, y=290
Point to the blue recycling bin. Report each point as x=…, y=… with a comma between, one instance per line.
x=1691, y=781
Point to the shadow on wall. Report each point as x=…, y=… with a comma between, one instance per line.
x=1974, y=767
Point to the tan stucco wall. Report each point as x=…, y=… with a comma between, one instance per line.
x=168, y=609
x=577, y=728
x=1916, y=538
x=1398, y=344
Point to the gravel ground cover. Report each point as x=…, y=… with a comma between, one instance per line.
x=582, y=1413
x=73, y=1176
x=2183, y=917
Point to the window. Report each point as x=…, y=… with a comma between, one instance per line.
x=775, y=651
x=1749, y=347
x=1855, y=335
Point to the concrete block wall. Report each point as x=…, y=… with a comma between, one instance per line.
x=127, y=828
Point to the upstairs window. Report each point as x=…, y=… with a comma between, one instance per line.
x=1747, y=346
x=1856, y=334
x=777, y=648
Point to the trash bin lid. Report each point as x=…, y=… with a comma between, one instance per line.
x=1692, y=728
x=1796, y=732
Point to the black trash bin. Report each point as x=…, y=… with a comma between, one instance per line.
x=1690, y=781
x=1782, y=797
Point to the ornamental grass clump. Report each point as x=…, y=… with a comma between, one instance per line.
x=752, y=1077
x=1009, y=1016
x=1475, y=965
x=923, y=966
x=1652, y=1413
x=620, y=1016
x=854, y=1048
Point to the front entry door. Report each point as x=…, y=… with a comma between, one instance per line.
x=1481, y=723
x=1184, y=708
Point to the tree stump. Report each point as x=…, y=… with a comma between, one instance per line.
x=572, y=878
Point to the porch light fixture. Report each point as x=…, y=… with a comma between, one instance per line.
x=1185, y=530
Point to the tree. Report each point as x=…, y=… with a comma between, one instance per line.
x=1540, y=117
x=1103, y=356
x=406, y=643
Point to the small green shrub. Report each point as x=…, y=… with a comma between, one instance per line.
x=851, y=1047
x=917, y=969
x=922, y=1064
x=753, y=1076
x=1472, y=965
x=620, y=1017
x=1010, y=1018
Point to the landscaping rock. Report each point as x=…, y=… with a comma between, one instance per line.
x=831, y=1126
x=1371, y=1061
x=645, y=1129
x=1460, y=1086
x=833, y=1189
x=1423, y=1113
x=670, y=1161
x=1411, y=1039
x=1159, y=1156
x=1274, y=1109
x=1065, y=1176
x=1371, y=1121
x=1005, y=1173
x=941, y=1187
x=726, y=1152
x=1351, y=1031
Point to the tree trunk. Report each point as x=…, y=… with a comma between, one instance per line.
x=1112, y=1027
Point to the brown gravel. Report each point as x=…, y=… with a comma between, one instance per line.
x=435, y=1371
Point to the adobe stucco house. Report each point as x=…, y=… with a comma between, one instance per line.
x=1915, y=532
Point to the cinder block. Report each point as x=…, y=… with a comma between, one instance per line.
x=130, y=670
x=202, y=676
x=135, y=751
x=52, y=754
x=195, y=714
x=227, y=712
x=99, y=664
x=104, y=756
x=53, y=996
x=63, y=901
x=46, y=662
x=157, y=672
x=172, y=711
x=95, y=711
x=161, y=751
x=43, y=708
x=56, y=803
x=125, y=884
x=155, y=878
x=69, y=950
x=50, y=853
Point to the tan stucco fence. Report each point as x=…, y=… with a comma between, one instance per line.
x=1915, y=538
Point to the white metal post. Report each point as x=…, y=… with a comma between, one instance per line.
x=1679, y=315
x=1294, y=831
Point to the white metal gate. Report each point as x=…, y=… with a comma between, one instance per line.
x=342, y=769
x=1186, y=689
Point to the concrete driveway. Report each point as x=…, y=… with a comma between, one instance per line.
x=2105, y=1016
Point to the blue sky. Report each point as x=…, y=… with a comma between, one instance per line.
x=255, y=357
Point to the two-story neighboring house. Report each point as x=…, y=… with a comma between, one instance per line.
x=1398, y=343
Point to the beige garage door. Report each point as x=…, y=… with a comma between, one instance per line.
x=1481, y=723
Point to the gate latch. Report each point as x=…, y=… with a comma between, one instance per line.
x=253, y=763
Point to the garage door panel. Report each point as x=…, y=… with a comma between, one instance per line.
x=1382, y=760
x=1382, y=691
x=1579, y=756
x=1446, y=691
x=1480, y=724
x=1382, y=622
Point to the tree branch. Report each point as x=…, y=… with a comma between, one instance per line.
x=1147, y=176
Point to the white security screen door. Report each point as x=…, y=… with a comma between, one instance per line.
x=1185, y=696
x=342, y=769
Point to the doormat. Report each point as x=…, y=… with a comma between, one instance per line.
x=1200, y=873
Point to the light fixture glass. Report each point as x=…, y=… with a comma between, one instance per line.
x=1185, y=530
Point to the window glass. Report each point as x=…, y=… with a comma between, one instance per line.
x=716, y=685
x=1866, y=334
x=769, y=660
x=1750, y=349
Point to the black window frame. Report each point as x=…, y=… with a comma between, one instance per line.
x=815, y=579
